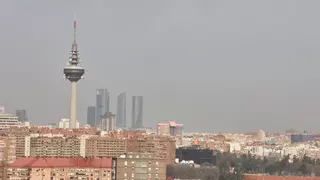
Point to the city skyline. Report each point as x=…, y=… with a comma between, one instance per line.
x=211, y=87
x=209, y=62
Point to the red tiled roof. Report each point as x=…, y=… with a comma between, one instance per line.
x=23, y=162
x=62, y=163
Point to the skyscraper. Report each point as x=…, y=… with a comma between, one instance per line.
x=137, y=112
x=73, y=72
x=102, y=104
x=121, y=111
x=22, y=115
x=91, y=116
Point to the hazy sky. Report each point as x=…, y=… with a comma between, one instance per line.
x=211, y=65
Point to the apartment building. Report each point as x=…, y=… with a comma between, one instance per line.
x=105, y=147
x=8, y=120
x=7, y=149
x=160, y=147
x=61, y=168
x=140, y=166
x=20, y=141
x=170, y=129
x=7, y=153
x=44, y=146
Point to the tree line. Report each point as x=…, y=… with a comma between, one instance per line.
x=231, y=167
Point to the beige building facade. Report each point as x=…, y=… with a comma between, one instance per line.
x=43, y=146
x=105, y=147
x=61, y=168
x=140, y=166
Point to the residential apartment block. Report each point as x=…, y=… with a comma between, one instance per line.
x=61, y=168
x=7, y=149
x=44, y=146
x=20, y=142
x=140, y=166
x=7, y=153
x=105, y=147
x=8, y=121
x=160, y=147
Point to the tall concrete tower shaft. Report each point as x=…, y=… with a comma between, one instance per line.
x=73, y=72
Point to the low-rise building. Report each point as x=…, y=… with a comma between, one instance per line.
x=196, y=154
x=170, y=129
x=7, y=121
x=108, y=122
x=64, y=123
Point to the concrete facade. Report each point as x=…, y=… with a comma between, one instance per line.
x=61, y=168
x=52, y=146
x=105, y=147
x=161, y=148
x=140, y=166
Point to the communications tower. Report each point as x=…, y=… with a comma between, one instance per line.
x=73, y=72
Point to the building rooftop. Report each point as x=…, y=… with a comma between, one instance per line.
x=62, y=163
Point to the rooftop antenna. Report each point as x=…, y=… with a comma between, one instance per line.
x=74, y=27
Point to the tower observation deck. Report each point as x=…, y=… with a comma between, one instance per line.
x=73, y=72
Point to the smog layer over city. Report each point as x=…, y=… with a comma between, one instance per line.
x=175, y=89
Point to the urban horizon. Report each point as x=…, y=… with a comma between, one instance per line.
x=255, y=87
x=205, y=90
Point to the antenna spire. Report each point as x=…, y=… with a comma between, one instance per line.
x=74, y=27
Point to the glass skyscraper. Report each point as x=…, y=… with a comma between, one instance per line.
x=102, y=105
x=121, y=120
x=22, y=115
x=137, y=112
x=91, y=116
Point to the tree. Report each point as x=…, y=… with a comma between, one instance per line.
x=246, y=164
x=208, y=173
x=265, y=160
x=303, y=169
x=184, y=171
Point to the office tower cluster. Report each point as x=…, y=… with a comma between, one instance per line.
x=100, y=115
